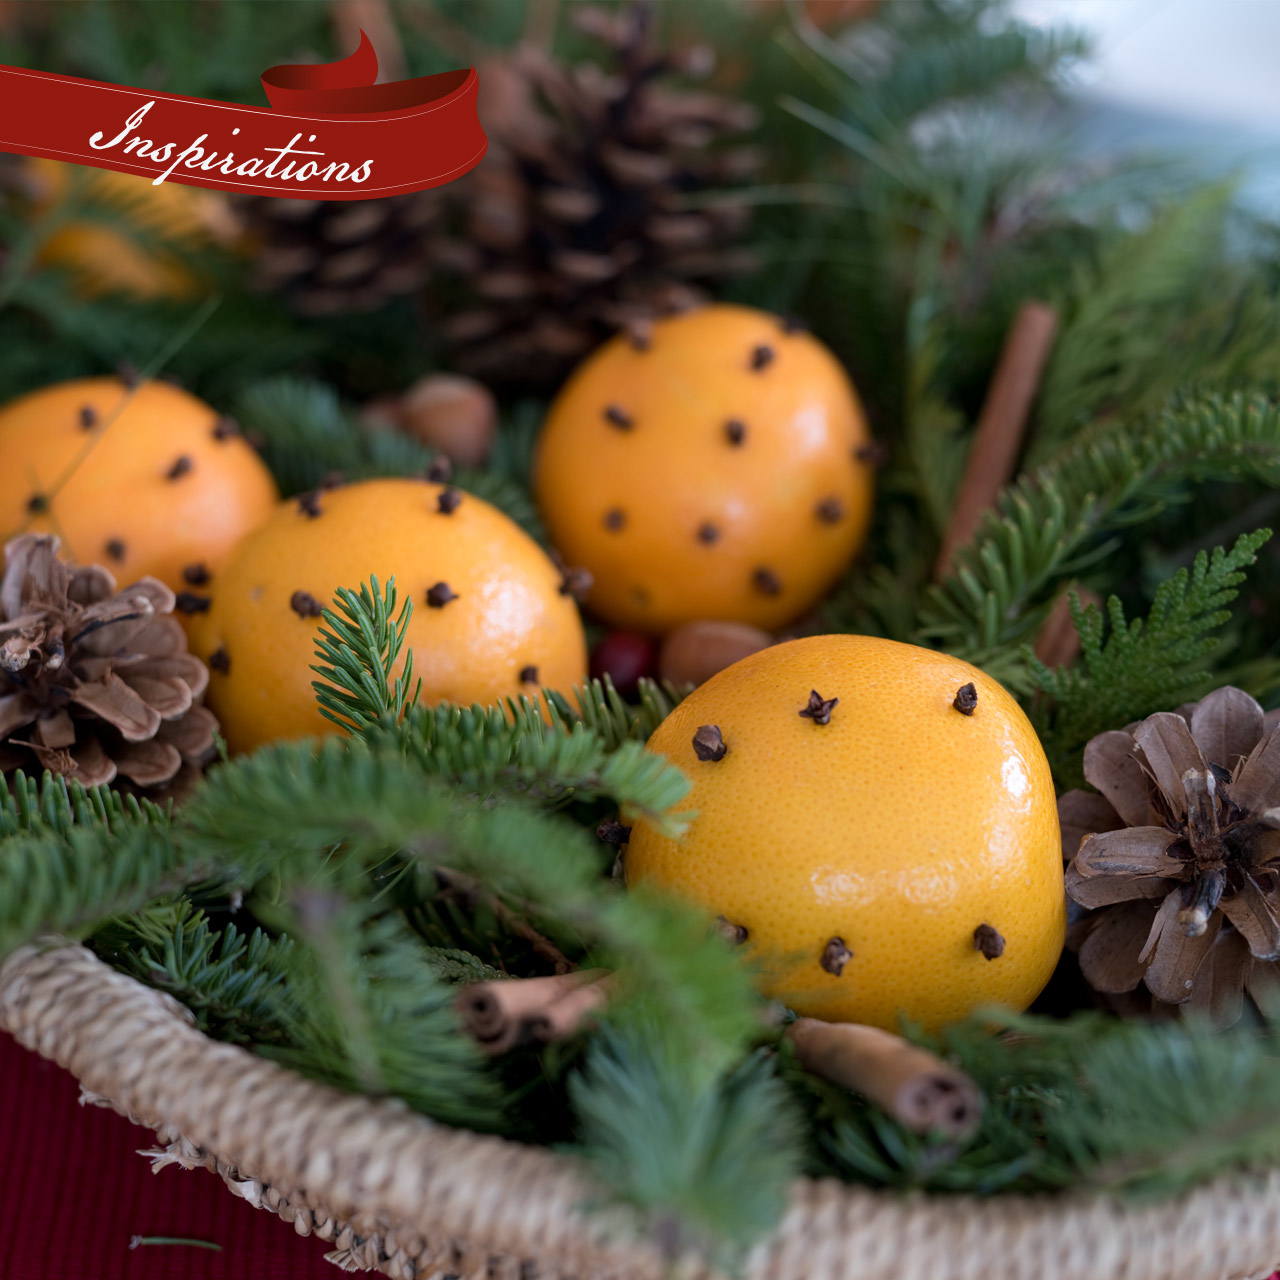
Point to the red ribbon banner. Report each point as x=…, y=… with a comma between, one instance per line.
x=331, y=133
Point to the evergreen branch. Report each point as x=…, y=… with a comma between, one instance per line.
x=600, y=707
x=516, y=749
x=1140, y=667
x=450, y=964
x=73, y=882
x=236, y=984
x=370, y=1014
x=358, y=645
x=1053, y=524
x=708, y=1164
x=298, y=813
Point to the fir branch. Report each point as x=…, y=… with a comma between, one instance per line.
x=369, y=1013
x=1050, y=526
x=1140, y=667
x=600, y=707
x=358, y=644
x=72, y=883
x=707, y=1163
x=516, y=749
x=236, y=984
x=331, y=814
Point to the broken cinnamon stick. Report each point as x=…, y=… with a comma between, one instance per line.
x=507, y=1012
x=918, y=1089
x=998, y=439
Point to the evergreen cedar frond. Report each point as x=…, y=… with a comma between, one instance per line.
x=1140, y=667
x=1054, y=524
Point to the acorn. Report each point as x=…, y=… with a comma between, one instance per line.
x=693, y=653
x=718, y=469
x=456, y=415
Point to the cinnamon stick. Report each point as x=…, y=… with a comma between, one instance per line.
x=918, y=1089
x=998, y=440
x=1058, y=644
x=507, y=1012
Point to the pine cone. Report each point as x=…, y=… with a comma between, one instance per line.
x=95, y=684
x=327, y=256
x=576, y=223
x=1180, y=858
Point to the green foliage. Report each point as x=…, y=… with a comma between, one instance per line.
x=369, y=1013
x=1140, y=667
x=707, y=1165
x=1149, y=1108
x=517, y=750
x=64, y=883
x=1052, y=526
x=358, y=645
x=308, y=435
x=236, y=984
x=53, y=877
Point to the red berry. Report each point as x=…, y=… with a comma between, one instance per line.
x=624, y=657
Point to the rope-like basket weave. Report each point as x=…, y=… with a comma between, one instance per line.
x=398, y=1194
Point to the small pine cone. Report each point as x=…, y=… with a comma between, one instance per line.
x=95, y=684
x=578, y=222
x=327, y=256
x=1174, y=856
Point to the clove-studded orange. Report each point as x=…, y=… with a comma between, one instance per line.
x=145, y=479
x=492, y=616
x=716, y=466
x=875, y=821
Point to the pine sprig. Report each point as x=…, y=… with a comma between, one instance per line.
x=1129, y=669
x=358, y=644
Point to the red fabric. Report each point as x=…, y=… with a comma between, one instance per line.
x=73, y=1192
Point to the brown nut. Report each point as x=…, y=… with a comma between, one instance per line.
x=456, y=415
x=696, y=651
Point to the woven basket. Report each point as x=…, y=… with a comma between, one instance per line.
x=398, y=1194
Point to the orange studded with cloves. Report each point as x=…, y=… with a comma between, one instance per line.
x=875, y=824
x=142, y=478
x=719, y=467
x=492, y=617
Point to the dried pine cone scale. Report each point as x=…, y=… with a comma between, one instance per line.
x=1183, y=875
x=95, y=683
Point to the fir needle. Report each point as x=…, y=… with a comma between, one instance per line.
x=136, y=1241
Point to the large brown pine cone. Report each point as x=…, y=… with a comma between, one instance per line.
x=95, y=684
x=591, y=211
x=1178, y=858
x=328, y=256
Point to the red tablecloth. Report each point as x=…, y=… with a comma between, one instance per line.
x=73, y=1193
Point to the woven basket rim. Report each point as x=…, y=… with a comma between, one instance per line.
x=409, y=1197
